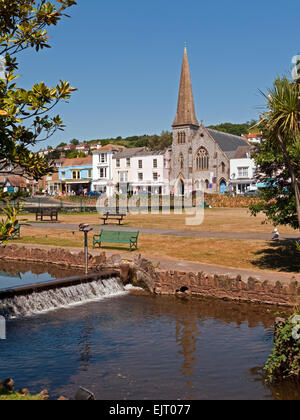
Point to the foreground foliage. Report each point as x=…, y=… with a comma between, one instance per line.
x=15, y=396
x=284, y=362
x=278, y=157
x=9, y=224
x=25, y=114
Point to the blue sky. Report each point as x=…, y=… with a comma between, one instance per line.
x=124, y=57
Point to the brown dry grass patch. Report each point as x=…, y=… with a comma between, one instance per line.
x=216, y=220
x=232, y=253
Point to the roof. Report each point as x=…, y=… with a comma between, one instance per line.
x=185, y=109
x=16, y=181
x=228, y=142
x=130, y=152
x=253, y=136
x=150, y=153
x=242, y=152
x=110, y=147
x=78, y=162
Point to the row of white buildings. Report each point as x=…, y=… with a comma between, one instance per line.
x=138, y=170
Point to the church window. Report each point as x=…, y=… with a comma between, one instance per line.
x=202, y=159
x=223, y=167
x=181, y=161
x=181, y=137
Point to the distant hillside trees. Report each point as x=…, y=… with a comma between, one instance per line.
x=236, y=129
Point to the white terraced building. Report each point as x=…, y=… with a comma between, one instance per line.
x=242, y=172
x=103, y=169
x=142, y=171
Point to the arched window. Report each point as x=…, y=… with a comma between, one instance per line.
x=223, y=167
x=181, y=161
x=207, y=184
x=202, y=159
x=181, y=137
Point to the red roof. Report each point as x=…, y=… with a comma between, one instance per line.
x=16, y=181
x=111, y=147
x=78, y=161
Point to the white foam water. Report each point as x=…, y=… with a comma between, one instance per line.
x=50, y=300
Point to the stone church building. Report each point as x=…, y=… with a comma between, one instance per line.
x=200, y=156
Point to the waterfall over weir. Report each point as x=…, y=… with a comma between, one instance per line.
x=38, y=302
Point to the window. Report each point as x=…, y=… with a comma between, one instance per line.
x=123, y=177
x=202, y=159
x=76, y=174
x=181, y=138
x=102, y=172
x=154, y=163
x=118, y=162
x=128, y=163
x=140, y=176
x=243, y=172
x=155, y=176
x=63, y=175
x=103, y=158
x=181, y=161
x=140, y=164
x=223, y=167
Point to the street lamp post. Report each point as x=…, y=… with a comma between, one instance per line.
x=85, y=229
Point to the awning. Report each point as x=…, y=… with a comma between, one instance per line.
x=243, y=181
x=77, y=182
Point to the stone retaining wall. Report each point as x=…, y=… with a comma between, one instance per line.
x=57, y=256
x=226, y=287
x=141, y=272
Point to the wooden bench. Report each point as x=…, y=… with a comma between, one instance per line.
x=113, y=216
x=117, y=237
x=51, y=213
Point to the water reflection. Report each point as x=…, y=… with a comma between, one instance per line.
x=17, y=268
x=146, y=347
x=186, y=337
x=85, y=344
x=16, y=273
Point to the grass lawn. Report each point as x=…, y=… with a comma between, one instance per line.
x=249, y=254
x=215, y=220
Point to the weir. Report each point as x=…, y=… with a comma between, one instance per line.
x=44, y=297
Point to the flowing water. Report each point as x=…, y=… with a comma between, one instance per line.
x=63, y=297
x=135, y=346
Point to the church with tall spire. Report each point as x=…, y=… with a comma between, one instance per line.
x=200, y=156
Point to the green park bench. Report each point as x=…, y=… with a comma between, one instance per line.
x=116, y=237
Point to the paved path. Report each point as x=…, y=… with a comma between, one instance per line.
x=170, y=232
x=187, y=266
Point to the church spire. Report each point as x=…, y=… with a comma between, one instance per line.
x=186, y=109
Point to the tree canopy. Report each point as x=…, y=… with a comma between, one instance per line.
x=236, y=129
x=154, y=141
x=278, y=157
x=25, y=115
